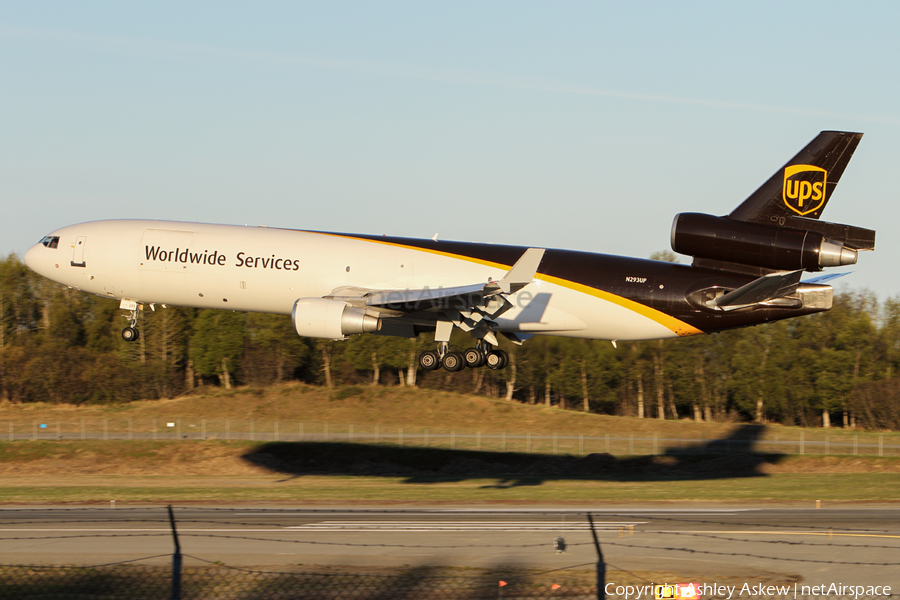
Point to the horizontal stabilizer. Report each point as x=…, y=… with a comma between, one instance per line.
x=854, y=237
x=823, y=278
x=767, y=287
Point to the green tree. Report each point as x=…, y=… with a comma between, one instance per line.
x=273, y=349
x=217, y=342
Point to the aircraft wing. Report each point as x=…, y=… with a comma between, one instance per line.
x=469, y=307
x=425, y=297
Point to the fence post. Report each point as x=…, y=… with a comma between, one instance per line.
x=176, y=559
x=601, y=566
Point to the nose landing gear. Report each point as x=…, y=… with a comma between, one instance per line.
x=130, y=333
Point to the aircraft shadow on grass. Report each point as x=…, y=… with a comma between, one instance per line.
x=722, y=458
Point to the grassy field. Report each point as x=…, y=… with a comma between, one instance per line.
x=293, y=407
x=794, y=489
x=216, y=471
x=219, y=470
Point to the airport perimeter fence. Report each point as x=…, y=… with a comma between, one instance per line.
x=207, y=580
x=616, y=444
x=146, y=582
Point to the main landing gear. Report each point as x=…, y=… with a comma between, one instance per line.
x=483, y=354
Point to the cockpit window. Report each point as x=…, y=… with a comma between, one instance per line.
x=50, y=241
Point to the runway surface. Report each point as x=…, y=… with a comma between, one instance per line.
x=853, y=546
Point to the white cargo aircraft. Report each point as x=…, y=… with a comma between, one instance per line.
x=746, y=270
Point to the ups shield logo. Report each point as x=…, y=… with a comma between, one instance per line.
x=804, y=188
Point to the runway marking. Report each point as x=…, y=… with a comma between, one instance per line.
x=457, y=526
x=362, y=526
x=567, y=511
x=829, y=533
x=165, y=530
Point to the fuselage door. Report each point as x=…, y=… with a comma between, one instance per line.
x=78, y=251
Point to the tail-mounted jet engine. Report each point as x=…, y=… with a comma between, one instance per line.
x=766, y=246
x=331, y=319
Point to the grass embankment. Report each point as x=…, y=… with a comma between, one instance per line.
x=293, y=405
x=219, y=470
x=179, y=471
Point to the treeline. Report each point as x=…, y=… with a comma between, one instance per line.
x=836, y=368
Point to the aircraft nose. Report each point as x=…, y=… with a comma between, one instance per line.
x=33, y=258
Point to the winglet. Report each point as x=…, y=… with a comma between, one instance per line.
x=523, y=272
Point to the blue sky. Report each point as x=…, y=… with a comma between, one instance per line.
x=575, y=125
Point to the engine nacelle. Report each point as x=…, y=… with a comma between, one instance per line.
x=331, y=319
x=767, y=246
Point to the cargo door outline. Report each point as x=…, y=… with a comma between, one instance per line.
x=78, y=251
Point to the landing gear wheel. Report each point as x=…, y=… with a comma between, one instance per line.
x=474, y=358
x=497, y=359
x=429, y=360
x=130, y=334
x=453, y=361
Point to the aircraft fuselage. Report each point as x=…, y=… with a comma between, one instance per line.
x=263, y=269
